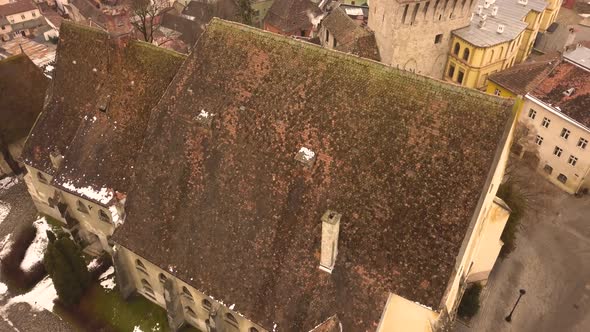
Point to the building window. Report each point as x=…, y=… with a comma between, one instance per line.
x=497, y=92
x=405, y=14
x=187, y=294
x=538, y=140
x=466, y=54
x=562, y=178
x=460, y=76
x=81, y=207
x=532, y=113
x=438, y=38
x=231, y=319
x=190, y=312
x=545, y=122
x=557, y=151
x=456, y=49
x=42, y=178
x=148, y=288
x=140, y=267
x=327, y=36
x=572, y=160
x=548, y=169
x=492, y=57
x=206, y=304
x=582, y=143
x=22, y=17
x=34, y=14
x=565, y=133
x=162, y=278
x=253, y=329
x=451, y=70
x=103, y=216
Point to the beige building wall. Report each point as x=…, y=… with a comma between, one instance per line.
x=148, y=280
x=401, y=315
x=24, y=16
x=548, y=138
x=415, y=36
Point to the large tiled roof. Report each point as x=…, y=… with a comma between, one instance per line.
x=220, y=200
x=20, y=6
x=522, y=78
x=291, y=16
x=91, y=71
x=351, y=37
x=510, y=13
x=23, y=86
x=566, y=76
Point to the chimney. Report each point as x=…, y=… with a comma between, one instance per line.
x=330, y=231
x=56, y=158
x=500, y=28
x=305, y=156
x=487, y=4
x=523, y=2
x=482, y=21
x=494, y=11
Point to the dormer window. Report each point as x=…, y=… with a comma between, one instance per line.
x=162, y=278
x=187, y=294
x=231, y=319
x=206, y=304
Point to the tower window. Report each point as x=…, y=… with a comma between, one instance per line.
x=456, y=49
x=438, y=38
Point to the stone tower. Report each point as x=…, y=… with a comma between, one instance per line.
x=415, y=35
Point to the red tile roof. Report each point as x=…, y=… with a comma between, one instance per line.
x=17, y=7
x=523, y=78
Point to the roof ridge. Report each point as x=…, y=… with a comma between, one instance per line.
x=351, y=57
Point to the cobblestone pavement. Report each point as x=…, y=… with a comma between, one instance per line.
x=551, y=262
x=20, y=317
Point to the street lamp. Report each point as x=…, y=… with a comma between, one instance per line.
x=509, y=317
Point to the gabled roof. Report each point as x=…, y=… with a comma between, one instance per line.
x=23, y=87
x=351, y=37
x=291, y=16
x=93, y=71
x=563, y=77
x=20, y=6
x=511, y=14
x=220, y=199
x=523, y=78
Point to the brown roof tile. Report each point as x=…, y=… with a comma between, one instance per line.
x=99, y=147
x=20, y=6
x=563, y=77
x=23, y=87
x=225, y=205
x=523, y=78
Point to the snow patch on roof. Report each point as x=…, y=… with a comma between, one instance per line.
x=5, y=245
x=103, y=196
x=307, y=153
x=36, y=250
x=107, y=279
x=8, y=182
x=4, y=210
x=115, y=217
x=3, y=290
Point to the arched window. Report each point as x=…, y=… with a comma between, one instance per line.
x=190, y=312
x=492, y=56
x=81, y=207
x=147, y=288
x=139, y=266
x=501, y=51
x=42, y=178
x=231, y=319
x=206, y=304
x=466, y=54
x=162, y=278
x=456, y=49
x=103, y=216
x=187, y=294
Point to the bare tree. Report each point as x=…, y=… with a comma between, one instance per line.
x=147, y=18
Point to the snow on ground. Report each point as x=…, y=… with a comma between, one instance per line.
x=37, y=248
x=4, y=210
x=8, y=182
x=93, y=264
x=5, y=246
x=3, y=290
x=39, y=298
x=107, y=279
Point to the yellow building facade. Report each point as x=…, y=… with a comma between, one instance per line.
x=495, y=40
x=550, y=14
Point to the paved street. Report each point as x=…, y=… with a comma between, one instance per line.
x=551, y=262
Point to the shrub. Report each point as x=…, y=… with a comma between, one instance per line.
x=516, y=199
x=65, y=264
x=469, y=305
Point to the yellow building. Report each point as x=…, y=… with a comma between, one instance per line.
x=501, y=34
x=550, y=14
x=518, y=80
